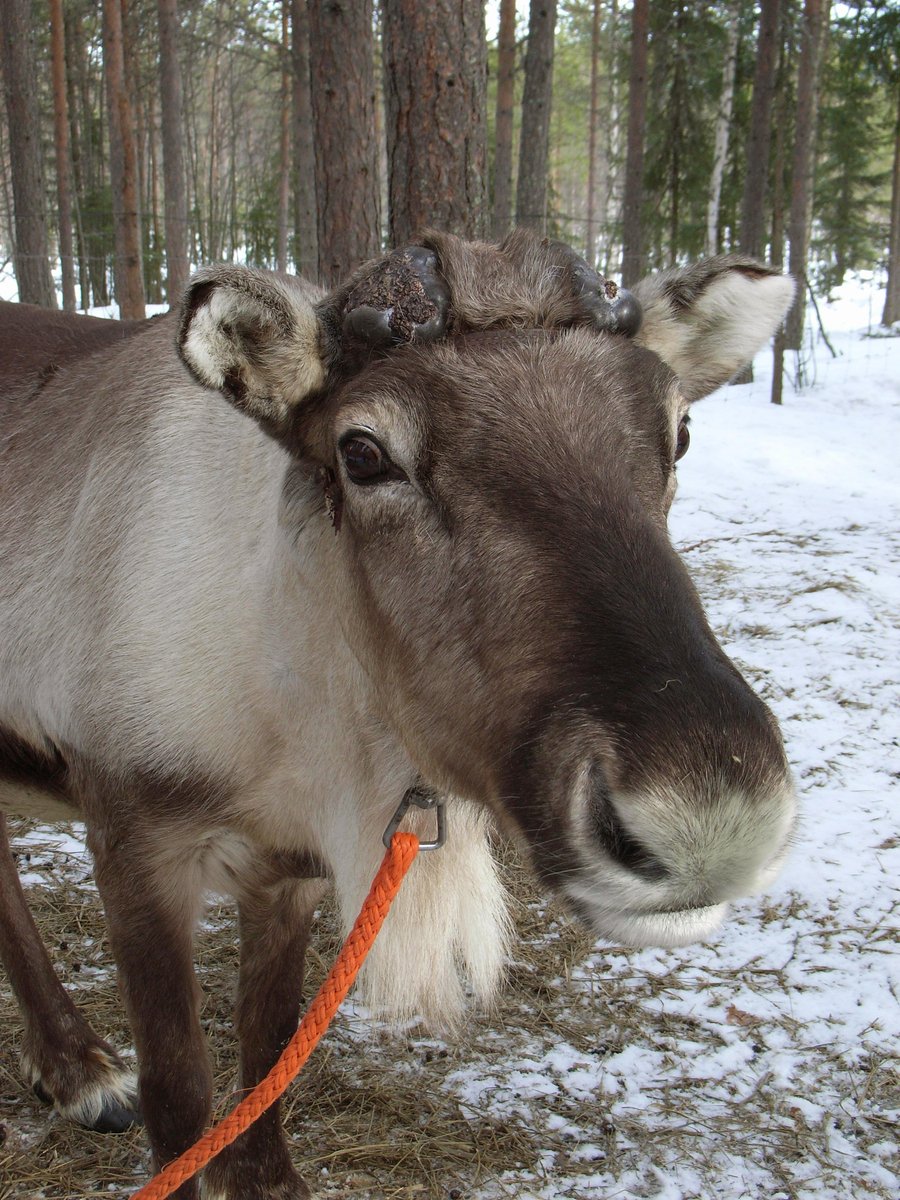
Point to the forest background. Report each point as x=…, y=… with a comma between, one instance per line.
x=141, y=138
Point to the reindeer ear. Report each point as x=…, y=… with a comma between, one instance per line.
x=708, y=320
x=254, y=336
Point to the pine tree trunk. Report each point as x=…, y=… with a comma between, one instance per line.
x=815, y=24
x=31, y=253
x=343, y=100
x=612, y=150
x=632, y=255
x=435, y=84
x=306, y=253
x=753, y=205
x=123, y=169
x=503, y=128
x=723, y=125
x=74, y=157
x=782, y=104
x=84, y=278
x=591, y=233
x=61, y=139
x=213, y=228
x=892, y=298
x=284, y=144
x=537, y=96
x=174, y=181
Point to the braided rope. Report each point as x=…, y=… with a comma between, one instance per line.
x=386, y=884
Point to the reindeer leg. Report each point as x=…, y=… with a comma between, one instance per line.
x=62, y=1058
x=274, y=923
x=150, y=912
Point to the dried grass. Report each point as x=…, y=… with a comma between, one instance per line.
x=379, y=1119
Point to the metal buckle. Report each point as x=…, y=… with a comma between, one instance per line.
x=419, y=797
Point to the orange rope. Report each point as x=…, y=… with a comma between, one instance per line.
x=399, y=858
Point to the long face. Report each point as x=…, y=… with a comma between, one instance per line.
x=500, y=484
x=534, y=639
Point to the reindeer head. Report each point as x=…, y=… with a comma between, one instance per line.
x=494, y=433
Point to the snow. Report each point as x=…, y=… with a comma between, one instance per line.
x=756, y=1061
x=762, y=1063
x=789, y=519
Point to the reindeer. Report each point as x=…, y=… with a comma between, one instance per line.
x=275, y=562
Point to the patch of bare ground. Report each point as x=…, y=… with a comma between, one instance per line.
x=532, y=1100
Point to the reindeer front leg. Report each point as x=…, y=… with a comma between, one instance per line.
x=275, y=920
x=150, y=912
x=63, y=1059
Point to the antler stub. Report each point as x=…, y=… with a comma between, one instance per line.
x=614, y=309
x=404, y=299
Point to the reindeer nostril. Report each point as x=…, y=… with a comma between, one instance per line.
x=615, y=838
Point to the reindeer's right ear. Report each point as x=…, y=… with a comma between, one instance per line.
x=255, y=337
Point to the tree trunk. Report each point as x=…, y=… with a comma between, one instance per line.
x=342, y=81
x=435, y=84
x=61, y=139
x=815, y=24
x=590, y=234
x=174, y=181
x=534, y=146
x=214, y=232
x=284, y=144
x=306, y=253
x=612, y=145
x=123, y=169
x=84, y=278
x=503, y=129
x=782, y=123
x=31, y=253
x=723, y=125
x=632, y=255
x=753, y=205
x=892, y=298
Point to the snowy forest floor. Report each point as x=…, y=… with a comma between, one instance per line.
x=761, y=1064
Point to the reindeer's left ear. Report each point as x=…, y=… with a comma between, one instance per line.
x=708, y=320
x=255, y=337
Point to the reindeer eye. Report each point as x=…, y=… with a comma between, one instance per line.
x=683, y=440
x=364, y=459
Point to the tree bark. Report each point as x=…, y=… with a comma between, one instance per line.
x=753, y=205
x=284, y=143
x=610, y=182
x=343, y=100
x=31, y=252
x=892, y=298
x=306, y=253
x=815, y=24
x=537, y=96
x=503, y=127
x=61, y=139
x=632, y=255
x=723, y=126
x=590, y=233
x=782, y=103
x=123, y=169
x=435, y=85
x=174, y=180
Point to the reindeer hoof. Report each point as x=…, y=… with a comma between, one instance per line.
x=106, y=1114
x=116, y=1118
x=404, y=299
x=93, y=1088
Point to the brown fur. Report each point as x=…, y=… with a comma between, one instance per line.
x=236, y=695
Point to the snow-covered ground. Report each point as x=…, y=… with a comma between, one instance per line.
x=789, y=519
x=764, y=1063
